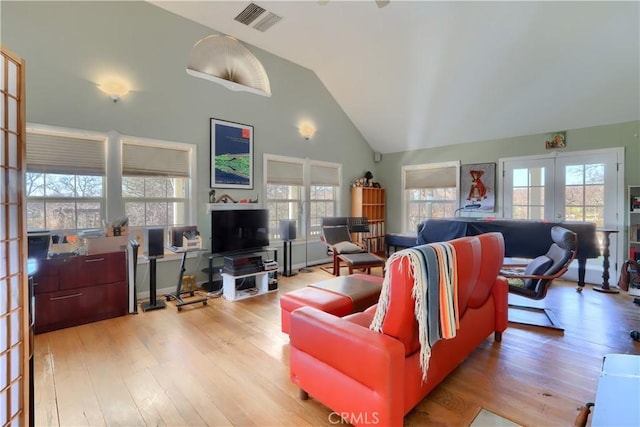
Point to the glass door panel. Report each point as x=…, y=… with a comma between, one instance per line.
x=525, y=189
x=588, y=192
x=572, y=187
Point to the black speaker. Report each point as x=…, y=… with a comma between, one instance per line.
x=288, y=229
x=153, y=242
x=214, y=285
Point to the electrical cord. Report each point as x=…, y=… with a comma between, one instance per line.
x=213, y=294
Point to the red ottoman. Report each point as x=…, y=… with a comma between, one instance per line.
x=339, y=296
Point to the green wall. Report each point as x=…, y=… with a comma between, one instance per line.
x=68, y=45
x=388, y=171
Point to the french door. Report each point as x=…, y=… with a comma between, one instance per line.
x=579, y=186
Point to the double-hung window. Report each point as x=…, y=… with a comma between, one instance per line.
x=65, y=180
x=156, y=181
x=302, y=190
x=430, y=191
x=284, y=192
x=69, y=186
x=324, y=190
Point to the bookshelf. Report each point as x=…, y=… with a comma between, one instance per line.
x=633, y=221
x=369, y=202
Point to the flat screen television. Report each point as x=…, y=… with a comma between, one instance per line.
x=239, y=230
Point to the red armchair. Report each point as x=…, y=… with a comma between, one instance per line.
x=371, y=378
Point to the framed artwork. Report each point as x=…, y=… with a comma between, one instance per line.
x=478, y=187
x=555, y=140
x=231, y=155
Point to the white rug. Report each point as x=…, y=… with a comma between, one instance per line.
x=489, y=419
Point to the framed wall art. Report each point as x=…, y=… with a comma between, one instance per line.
x=231, y=155
x=555, y=140
x=478, y=187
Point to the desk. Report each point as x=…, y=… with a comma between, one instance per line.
x=177, y=295
x=522, y=238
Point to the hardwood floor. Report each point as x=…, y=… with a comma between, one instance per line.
x=227, y=364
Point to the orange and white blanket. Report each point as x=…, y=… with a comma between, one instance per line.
x=435, y=291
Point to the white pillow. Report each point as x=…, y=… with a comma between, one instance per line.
x=347, y=248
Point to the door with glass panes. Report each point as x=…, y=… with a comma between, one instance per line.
x=580, y=186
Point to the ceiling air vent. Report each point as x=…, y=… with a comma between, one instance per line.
x=257, y=17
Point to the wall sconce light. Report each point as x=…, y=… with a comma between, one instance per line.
x=114, y=89
x=307, y=130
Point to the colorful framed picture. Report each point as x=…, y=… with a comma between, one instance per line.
x=231, y=155
x=555, y=140
x=478, y=187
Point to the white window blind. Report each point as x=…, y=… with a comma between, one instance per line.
x=325, y=175
x=439, y=177
x=65, y=154
x=283, y=172
x=147, y=160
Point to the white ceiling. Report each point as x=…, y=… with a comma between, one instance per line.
x=418, y=74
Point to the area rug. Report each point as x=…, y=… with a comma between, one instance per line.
x=487, y=418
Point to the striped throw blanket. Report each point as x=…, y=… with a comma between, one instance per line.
x=435, y=291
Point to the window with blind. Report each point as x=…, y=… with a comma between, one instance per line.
x=324, y=188
x=430, y=191
x=69, y=186
x=65, y=180
x=291, y=182
x=156, y=182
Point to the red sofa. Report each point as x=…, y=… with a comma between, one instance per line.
x=372, y=378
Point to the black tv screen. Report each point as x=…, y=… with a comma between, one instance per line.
x=239, y=230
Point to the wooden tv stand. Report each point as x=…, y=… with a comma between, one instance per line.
x=230, y=292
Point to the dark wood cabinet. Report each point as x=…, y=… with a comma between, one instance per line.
x=80, y=289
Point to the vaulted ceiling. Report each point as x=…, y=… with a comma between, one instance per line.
x=419, y=74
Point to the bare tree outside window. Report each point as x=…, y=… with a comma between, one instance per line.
x=155, y=201
x=425, y=203
x=322, y=204
x=584, y=193
x=65, y=193
x=64, y=201
x=283, y=202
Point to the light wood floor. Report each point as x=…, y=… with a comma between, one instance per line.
x=227, y=364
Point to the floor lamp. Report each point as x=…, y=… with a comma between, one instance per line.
x=287, y=234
